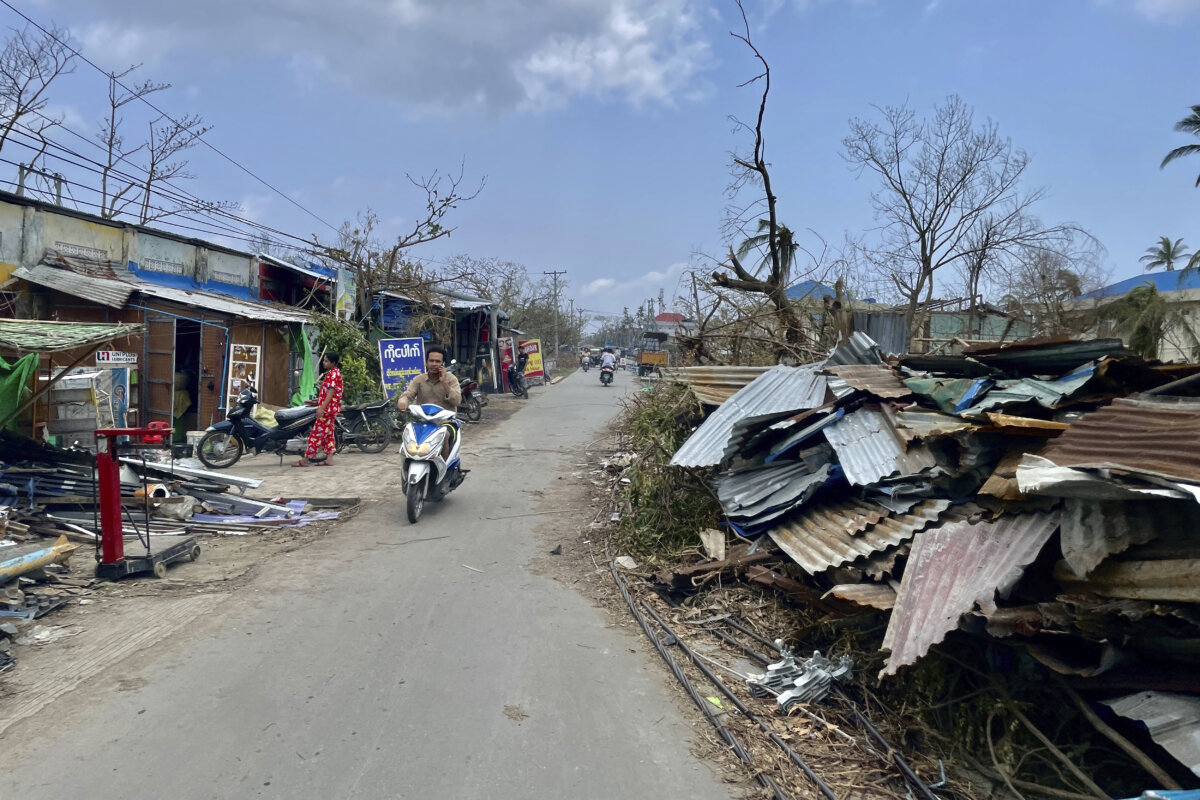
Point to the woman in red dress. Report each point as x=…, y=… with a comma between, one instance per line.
x=329, y=404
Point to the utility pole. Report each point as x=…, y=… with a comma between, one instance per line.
x=554, y=276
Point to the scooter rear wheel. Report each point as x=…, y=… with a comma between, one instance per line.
x=471, y=409
x=219, y=449
x=416, y=501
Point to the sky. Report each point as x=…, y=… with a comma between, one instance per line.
x=602, y=128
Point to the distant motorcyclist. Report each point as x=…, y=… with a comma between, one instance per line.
x=608, y=359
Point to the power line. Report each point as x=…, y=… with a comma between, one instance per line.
x=198, y=138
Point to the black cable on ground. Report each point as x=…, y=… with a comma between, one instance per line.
x=706, y=707
x=910, y=775
x=737, y=702
x=729, y=640
x=733, y=623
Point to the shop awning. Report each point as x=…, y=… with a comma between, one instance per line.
x=45, y=336
x=105, y=291
x=225, y=304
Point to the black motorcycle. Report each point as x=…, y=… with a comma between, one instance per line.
x=606, y=375
x=516, y=377
x=223, y=444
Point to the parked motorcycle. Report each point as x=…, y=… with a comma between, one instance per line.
x=424, y=472
x=606, y=375
x=367, y=426
x=223, y=444
x=516, y=377
x=472, y=398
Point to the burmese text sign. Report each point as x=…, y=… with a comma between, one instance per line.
x=400, y=360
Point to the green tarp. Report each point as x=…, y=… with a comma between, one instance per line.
x=14, y=385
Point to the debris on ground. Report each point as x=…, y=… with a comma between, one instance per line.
x=1039, y=498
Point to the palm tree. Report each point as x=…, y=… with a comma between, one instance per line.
x=1140, y=316
x=1189, y=124
x=784, y=241
x=1164, y=254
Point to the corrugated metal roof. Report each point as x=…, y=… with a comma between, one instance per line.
x=713, y=385
x=1171, y=580
x=1153, y=436
x=1048, y=394
x=951, y=569
x=223, y=304
x=43, y=336
x=106, y=292
x=888, y=328
x=858, y=349
x=1049, y=356
x=869, y=450
x=1173, y=721
x=877, y=379
x=827, y=536
x=779, y=390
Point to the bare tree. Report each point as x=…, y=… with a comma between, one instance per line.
x=166, y=140
x=117, y=188
x=949, y=196
x=1040, y=288
x=773, y=237
x=380, y=267
x=29, y=63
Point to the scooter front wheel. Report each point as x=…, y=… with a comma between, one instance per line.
x=219, y=449
x=416, y=501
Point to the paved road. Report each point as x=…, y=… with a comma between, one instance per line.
x=360, y=668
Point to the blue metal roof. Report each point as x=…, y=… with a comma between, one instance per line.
x=1170, y=281
x=813, y=289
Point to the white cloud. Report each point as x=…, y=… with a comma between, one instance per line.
x=435, y=55
x=1171, y=11
x=597, y=286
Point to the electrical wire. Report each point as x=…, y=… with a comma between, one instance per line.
x=162, y=113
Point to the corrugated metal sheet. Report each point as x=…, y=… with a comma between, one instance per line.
x=858, y=349
x=713, y=385
x=1048, y=394
x=1170, y=581
x=1173, y=721
x=106, y=292
x=779, y=390
x=951, y=569
x=876, y=595
x=223, y=304
x=877, y=379
x=831, y=535
x=1157, y=437
x=755, y=499
x=1093, y=530
x=885, y=327
x=869, y=450
x=924, y=423
x=43, y=336
x=1046, y=356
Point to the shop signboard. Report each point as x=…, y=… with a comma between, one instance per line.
x=115, y=358
x=532, y=348
x=400, y=360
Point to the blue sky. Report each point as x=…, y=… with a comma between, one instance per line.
x=602, y=126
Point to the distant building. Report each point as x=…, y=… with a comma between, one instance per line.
x=1180, y=289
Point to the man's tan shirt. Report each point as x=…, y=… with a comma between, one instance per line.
x=445, y=393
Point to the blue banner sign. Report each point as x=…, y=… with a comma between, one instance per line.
x=400, y=360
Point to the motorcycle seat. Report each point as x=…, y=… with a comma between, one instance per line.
x=286, y=415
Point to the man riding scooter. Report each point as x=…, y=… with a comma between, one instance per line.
x=608, y=366
x=437, y=386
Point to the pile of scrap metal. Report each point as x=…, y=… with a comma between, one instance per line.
x=1045, y=492
x=48, y=510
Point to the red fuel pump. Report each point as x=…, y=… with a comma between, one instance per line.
x=114, y=563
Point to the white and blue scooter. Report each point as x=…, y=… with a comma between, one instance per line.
x=424, y=473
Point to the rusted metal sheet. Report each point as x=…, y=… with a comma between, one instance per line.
x=1173, y=721
x=952, y=569
x=877, y=379
x=757, y=495
x=1173, y=581
x=1155, y=437
x=778, y=391
x=869, y=450
x=875, y=595
x=924, y=423
x=225, y=304
x=713, y=385
x=831, y=535
x=1093, y=530
x=1030, y=424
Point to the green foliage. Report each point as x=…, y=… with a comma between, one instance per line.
x=360, y=363
x=1141, y=316
x=668, y=505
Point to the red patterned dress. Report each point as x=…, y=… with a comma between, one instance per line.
x=322, y=437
